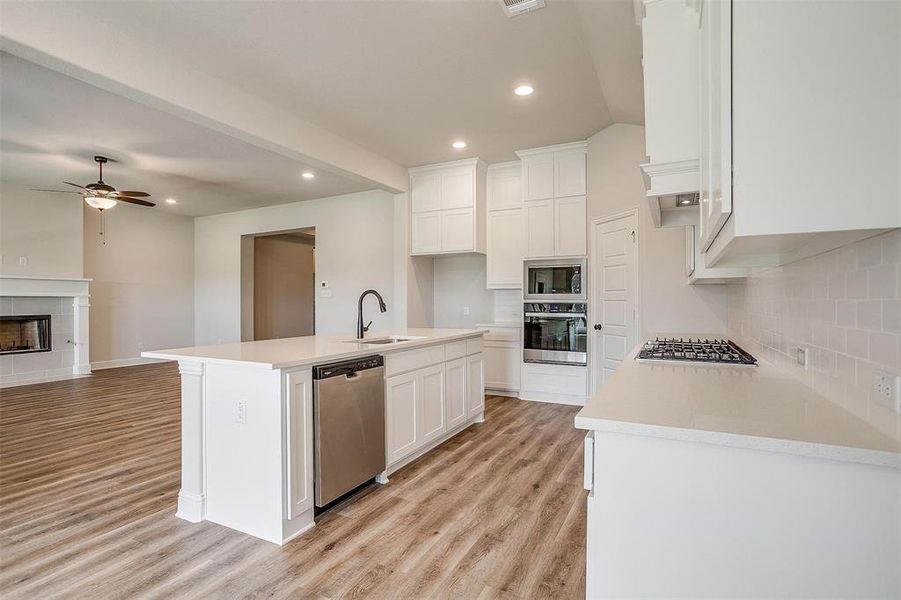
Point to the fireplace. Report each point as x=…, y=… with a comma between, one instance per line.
x=24, y=334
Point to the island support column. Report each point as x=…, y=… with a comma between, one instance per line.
x=191, y=496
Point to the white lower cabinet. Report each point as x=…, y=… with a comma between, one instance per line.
x=455, y=392
x=475, y=385
x=502, y=365
x=431, y=423
x=426, y=395
x=299, y=418
x=401, y=411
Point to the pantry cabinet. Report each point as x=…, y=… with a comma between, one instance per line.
x=447, y=208
x=796, y=158
x=505, y=232
x=554, y=221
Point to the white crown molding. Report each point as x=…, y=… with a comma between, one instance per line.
x=510, y=164
x=466, y=162
x=580, y=145
x=666, y=179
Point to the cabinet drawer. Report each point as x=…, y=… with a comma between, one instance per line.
x=401, y=362
x=555, y=379
x=473, y=346
x=455, y=350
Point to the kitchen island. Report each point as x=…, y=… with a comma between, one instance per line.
x=247, y=418
x=725, y=481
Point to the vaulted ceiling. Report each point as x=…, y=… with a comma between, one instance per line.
x=402, y=79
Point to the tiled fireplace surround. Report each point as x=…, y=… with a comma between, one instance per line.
x=66, y=301
x=844, y=306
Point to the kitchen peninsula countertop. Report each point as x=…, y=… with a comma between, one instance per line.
x=760, y=408
x=309, y=350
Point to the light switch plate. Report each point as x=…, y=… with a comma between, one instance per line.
x=801, y=357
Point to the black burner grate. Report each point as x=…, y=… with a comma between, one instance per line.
x=709, y=351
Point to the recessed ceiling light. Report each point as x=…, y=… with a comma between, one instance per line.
x=307, y=175
x=523, y=90
x=171, y=201
x=459, y=145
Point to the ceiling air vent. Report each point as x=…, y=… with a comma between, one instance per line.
x=518, y=7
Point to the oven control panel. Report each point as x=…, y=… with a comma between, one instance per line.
x=555, y=307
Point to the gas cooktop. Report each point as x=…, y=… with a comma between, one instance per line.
x=688, y=350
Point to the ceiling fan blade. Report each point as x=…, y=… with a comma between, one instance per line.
x=75, y=184
x=132, y=194
x=134, y=201
x=57, y=191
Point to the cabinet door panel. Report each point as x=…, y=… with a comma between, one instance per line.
x=426, y=233
x=458, y=188
x=401, y=407
x=455, y=397
x=538, y=177
x=569, y=173
x=504, y=189
x=475, y=384
x=538, y=228
x=300, y=442
x=432, y=423
x=425, y=192
x=457, y=230
x=505, y=249
x=715, y=76
x=502, y=365
x=570, y=224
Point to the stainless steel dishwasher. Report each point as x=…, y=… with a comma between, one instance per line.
x=349, y=425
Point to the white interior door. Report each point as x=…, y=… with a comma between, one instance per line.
x=614, y=305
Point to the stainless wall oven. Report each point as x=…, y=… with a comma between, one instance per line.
x=555, y=333
x=557, y=280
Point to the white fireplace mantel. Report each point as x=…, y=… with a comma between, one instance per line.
x=56, y=287
x=60, y=287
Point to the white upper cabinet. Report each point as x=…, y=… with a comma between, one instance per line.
x=505, y=186
x=447, y=208
x=425, y=191
x=569, y=173
x=538, y=177
x=505, y=231
x=554, y=220
x=569, y=226
x=669, y=35
x=797, y=158
x=538, y=228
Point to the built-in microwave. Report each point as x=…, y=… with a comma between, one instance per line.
x=557, y=280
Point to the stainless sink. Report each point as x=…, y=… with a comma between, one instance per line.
x=394, y=339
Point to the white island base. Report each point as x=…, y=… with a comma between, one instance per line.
x=247, y=419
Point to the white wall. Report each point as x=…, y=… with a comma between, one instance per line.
x=460, y=284
x=354, y=251
x=668, y=303
x=45, y=228
x=143, y=282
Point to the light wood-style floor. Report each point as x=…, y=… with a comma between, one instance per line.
x=89, y=472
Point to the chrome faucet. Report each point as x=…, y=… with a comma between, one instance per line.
x=361, y=329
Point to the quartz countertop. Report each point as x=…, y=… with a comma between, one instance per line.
x=750, y=407
x=309, y=350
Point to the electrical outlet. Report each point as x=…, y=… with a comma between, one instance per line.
x=887, y=387
x=465, y=310
x=801, y=357
x=241, y=412
x=23, y=261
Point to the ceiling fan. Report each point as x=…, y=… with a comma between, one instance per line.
x=102, y=196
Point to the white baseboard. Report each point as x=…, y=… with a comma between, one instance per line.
x=27, y=379
x=123, y=362
x=497, y=392
x=553, y=398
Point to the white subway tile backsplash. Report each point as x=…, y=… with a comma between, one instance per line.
x=844, y=306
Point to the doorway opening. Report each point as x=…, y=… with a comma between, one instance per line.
x=278, y=284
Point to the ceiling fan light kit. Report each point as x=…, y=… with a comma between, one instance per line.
x=101, y=196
